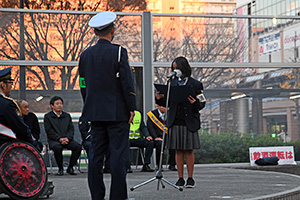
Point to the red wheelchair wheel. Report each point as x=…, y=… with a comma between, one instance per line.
x=23, y=174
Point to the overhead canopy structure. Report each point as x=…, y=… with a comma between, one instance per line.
x=227, y=93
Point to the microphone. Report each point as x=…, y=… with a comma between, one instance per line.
x=172, y=74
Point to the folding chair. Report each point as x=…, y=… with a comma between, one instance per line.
x=140, y=152
x=83, y=156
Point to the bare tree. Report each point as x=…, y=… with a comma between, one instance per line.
x=54, y=37
x=208, y=42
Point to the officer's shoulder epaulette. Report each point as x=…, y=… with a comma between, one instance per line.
x=12, y=100
x=8, y=98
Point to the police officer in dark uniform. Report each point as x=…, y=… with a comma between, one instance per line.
x=12, y=125
x=108, y=93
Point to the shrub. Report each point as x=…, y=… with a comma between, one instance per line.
x=231, y=148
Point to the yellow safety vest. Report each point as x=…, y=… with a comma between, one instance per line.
x=134, y=132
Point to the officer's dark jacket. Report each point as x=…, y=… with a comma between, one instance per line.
x=58, y=127
x=191, y=111
x=10, y=117
x=109, y=94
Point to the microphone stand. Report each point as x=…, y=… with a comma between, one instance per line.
x=159, y=175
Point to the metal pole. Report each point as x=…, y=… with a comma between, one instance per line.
x=242, y=115
x=148, y=89
x=22, y=81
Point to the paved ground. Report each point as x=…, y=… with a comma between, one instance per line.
x=222, y=181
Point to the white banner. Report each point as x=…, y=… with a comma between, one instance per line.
x=269, y=44
x=7, y=131
x=284, y=153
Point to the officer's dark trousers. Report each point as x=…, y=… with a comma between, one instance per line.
x=111, y=136
x=87, y=145
x=57, y=148
x=143, y=143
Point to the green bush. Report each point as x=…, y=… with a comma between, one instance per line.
x=231, y=148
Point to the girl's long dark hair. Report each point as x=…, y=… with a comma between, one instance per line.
x=183, y=65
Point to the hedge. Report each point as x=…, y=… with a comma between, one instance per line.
x=232, y=148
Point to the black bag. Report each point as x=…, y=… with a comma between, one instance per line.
x=267, y=161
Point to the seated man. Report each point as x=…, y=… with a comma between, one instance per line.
x=136, y=139
x=85, y=129
x=12, y=125
x=60, y=133
x=155, y=124
x=31, y=120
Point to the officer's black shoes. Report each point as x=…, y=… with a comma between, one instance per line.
x=60, y=172
x=180, y=182
x=129, y=170
x=71, y=171
x=146, y=168
x=106, y=171
x=172, y=168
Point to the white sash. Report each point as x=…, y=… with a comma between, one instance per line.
x=7, y=131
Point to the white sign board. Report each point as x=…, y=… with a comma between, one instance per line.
x=284, y=153
x=290, y=35
x=269, y=44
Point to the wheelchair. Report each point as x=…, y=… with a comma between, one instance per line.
x=23, y=173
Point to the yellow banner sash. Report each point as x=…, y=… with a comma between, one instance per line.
x=157, y=122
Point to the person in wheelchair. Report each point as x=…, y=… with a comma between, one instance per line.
x=12, y=125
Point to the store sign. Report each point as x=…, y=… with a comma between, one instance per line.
x=285, y=154
x=269, y=44
x=289, y=36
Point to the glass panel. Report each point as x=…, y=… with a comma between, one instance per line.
x=61, y=37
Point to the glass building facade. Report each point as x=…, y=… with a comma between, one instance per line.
x=271, y=7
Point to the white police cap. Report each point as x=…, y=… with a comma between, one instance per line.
x=102, y=20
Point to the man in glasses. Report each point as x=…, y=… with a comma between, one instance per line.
x=12, y=125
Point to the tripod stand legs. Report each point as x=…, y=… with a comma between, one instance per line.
x=160, y=179
x=168, y=182
x=160, y=182
x=144, y=183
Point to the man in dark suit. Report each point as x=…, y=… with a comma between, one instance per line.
x=31, y=120
x=60, y=133
x=156, y=126
x=12, y=125
x=107, y=89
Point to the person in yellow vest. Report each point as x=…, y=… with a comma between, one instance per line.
x=139, y=137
